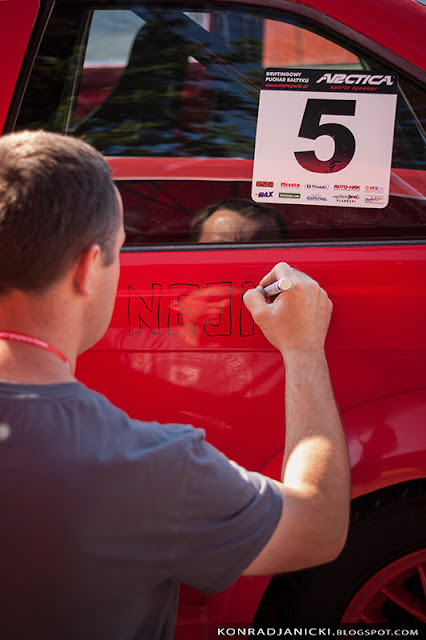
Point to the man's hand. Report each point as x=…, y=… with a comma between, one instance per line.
x=316, y=479
x=295, y=319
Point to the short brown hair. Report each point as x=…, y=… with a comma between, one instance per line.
x=273, y=228
x=57, y=198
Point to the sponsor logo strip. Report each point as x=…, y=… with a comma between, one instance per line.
x=289, y=195
x=265, y=194
x=264, y=183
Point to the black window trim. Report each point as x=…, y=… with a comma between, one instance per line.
x=331, y=244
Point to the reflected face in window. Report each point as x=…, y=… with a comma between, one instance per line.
x=225, y=225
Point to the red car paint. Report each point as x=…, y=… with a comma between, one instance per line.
x=182, y=348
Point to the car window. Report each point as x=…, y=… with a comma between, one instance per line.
x=175, y=91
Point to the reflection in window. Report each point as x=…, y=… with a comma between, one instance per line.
x=160, y=82
x=185, y=84
x=175, y=85
x=189, y=87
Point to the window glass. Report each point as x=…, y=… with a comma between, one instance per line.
x=176, y=90
x=189, y=86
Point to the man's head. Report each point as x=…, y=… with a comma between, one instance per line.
x=238, y=221
x=57, y=199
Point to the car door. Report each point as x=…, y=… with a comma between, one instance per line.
x=170, y=94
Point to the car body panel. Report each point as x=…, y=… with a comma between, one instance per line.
x=181, y=347
x=171, y=333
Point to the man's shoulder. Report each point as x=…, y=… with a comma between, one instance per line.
x=126, y=435
x=84, y=416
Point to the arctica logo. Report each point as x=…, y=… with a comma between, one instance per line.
x=356, y=78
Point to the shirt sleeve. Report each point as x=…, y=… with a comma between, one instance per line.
x=228, y=515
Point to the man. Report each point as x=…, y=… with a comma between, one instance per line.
x=238, y=220
x=102, y=516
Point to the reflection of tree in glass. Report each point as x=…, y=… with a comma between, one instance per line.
x=166, y=104
x=141, y=111
x=184, y=92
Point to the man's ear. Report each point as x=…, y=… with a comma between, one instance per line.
x=85, y=269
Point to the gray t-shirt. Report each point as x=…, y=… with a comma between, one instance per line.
x=102, y=517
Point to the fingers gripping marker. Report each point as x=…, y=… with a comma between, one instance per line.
x=277, y=287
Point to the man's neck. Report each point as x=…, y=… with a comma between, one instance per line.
x=28, y=362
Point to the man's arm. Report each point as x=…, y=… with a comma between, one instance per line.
x=316, y=478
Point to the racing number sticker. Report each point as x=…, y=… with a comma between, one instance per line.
x=325, y=137
x=344, y=141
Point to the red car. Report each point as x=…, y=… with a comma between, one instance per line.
x=169, y=92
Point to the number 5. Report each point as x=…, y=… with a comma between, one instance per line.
x=344, y=141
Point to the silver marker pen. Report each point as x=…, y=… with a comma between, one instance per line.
x=276, y=287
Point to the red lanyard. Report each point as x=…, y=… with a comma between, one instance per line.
x=36, y=342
